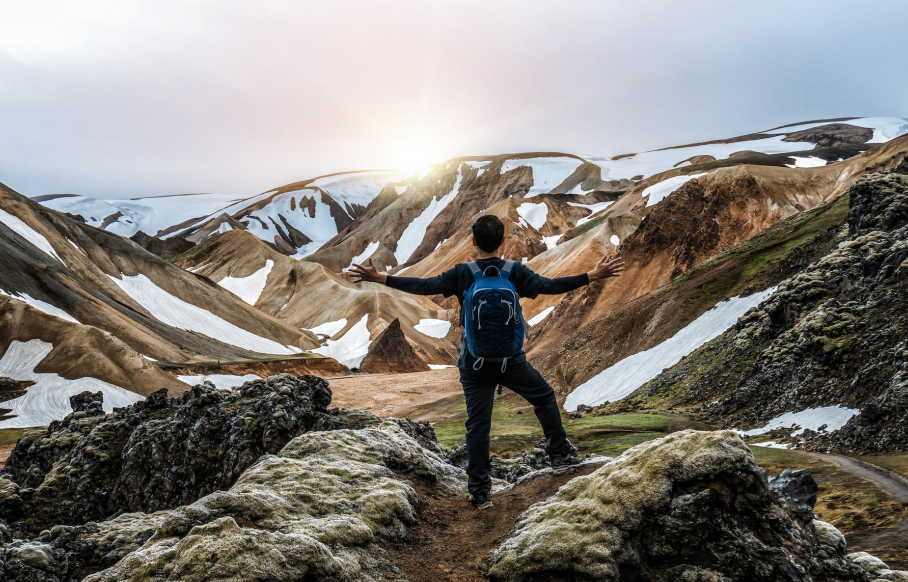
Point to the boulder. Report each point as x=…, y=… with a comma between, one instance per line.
x=161, y=452
x=690, y=506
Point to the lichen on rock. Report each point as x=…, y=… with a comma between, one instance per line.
x=317, y=509
x=692, y=505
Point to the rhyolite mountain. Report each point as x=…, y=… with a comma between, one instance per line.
x=277, y=259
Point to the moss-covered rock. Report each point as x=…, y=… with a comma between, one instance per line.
x=160, y=452
x=690, y=506
x=314, y=511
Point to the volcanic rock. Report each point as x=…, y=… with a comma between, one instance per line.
x=390, y=353
x=833, y=334
x=690, y=506
x=160, y=452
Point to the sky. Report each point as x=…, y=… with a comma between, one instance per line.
x=118, y=99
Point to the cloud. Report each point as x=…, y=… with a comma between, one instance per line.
x=141, y=98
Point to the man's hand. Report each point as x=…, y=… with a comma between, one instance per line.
x=367, y=273
x=606, y=268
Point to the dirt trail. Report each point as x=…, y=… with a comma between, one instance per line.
x=891, y=483
x=452, y=540
x=397, y=395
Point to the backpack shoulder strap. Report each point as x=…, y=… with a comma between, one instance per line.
x=507, y=268
x=474, y=268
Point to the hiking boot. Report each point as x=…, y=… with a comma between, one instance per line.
x=563, y=463
x=481, y=499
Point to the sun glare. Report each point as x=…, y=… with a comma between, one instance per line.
x=416, y=154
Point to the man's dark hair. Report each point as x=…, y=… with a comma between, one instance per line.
x=489, y=232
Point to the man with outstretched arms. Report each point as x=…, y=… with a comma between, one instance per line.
x=491, y=350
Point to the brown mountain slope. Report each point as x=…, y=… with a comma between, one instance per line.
x=306, y=295
x=702, y=218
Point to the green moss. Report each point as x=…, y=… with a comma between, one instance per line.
x=9, y=436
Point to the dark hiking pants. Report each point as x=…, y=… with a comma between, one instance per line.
x=479, y=389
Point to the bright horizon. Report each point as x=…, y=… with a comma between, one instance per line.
x=127, y=99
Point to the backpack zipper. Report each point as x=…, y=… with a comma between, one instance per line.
x=479, y=313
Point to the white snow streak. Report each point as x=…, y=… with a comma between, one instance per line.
x=440, y=366
x=618, y=381
x=352, y=347
x=412, y=236
x=834, y=417
x=541, y=315
x=547, y=172
x=658, y=192
x=330, y=328
x=437, y=328
x=250, y=288
x=221, y=381
x=28, y=233
x=41, y=305
x=48, y=398
x=178, y=313
x=593, y=208
x=533, y=214
x=367, y=252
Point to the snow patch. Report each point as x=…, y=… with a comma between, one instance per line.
x=437, y=328
x=178, y=313
x=352, y=347
x=367, y=252
x=250, y=288
x=834, y=417
x=809, y=162
x=330, y=328
x=440, y=366
x=551, y=241
x=19, y=226
x=541, y=315
x=618, y=381
x=48, y=398
x=547, y=172
x=220, y=381
x=413, y=235
x=593, y=208
x=533, y=214
x=614, y=240
x=884, y=128
x=41, y=305
x=657, y=192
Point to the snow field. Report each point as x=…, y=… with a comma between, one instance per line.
x=657, y=192
x=37, y=239
x=593, y=208
x=220, y=381
x=413, y=235
x=48, y=398
x=834, y=417
x=437, y=328
x=624, y=377
x=533, y=214
x=547, y=172
x=650, y=163
x=551, y=241
x=884, y=128
x=809, y=162
x=352, y=347
x=42, y=306
x=541, y=315
x=150, y=215
x=357, y=188
x=250, y=288
x=178, y=313
x=319, y=226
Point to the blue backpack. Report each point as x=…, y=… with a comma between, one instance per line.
x=493, y=320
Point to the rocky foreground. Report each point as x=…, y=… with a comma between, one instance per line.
x=329, y=491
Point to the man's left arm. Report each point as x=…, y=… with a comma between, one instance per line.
x=535, y=284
